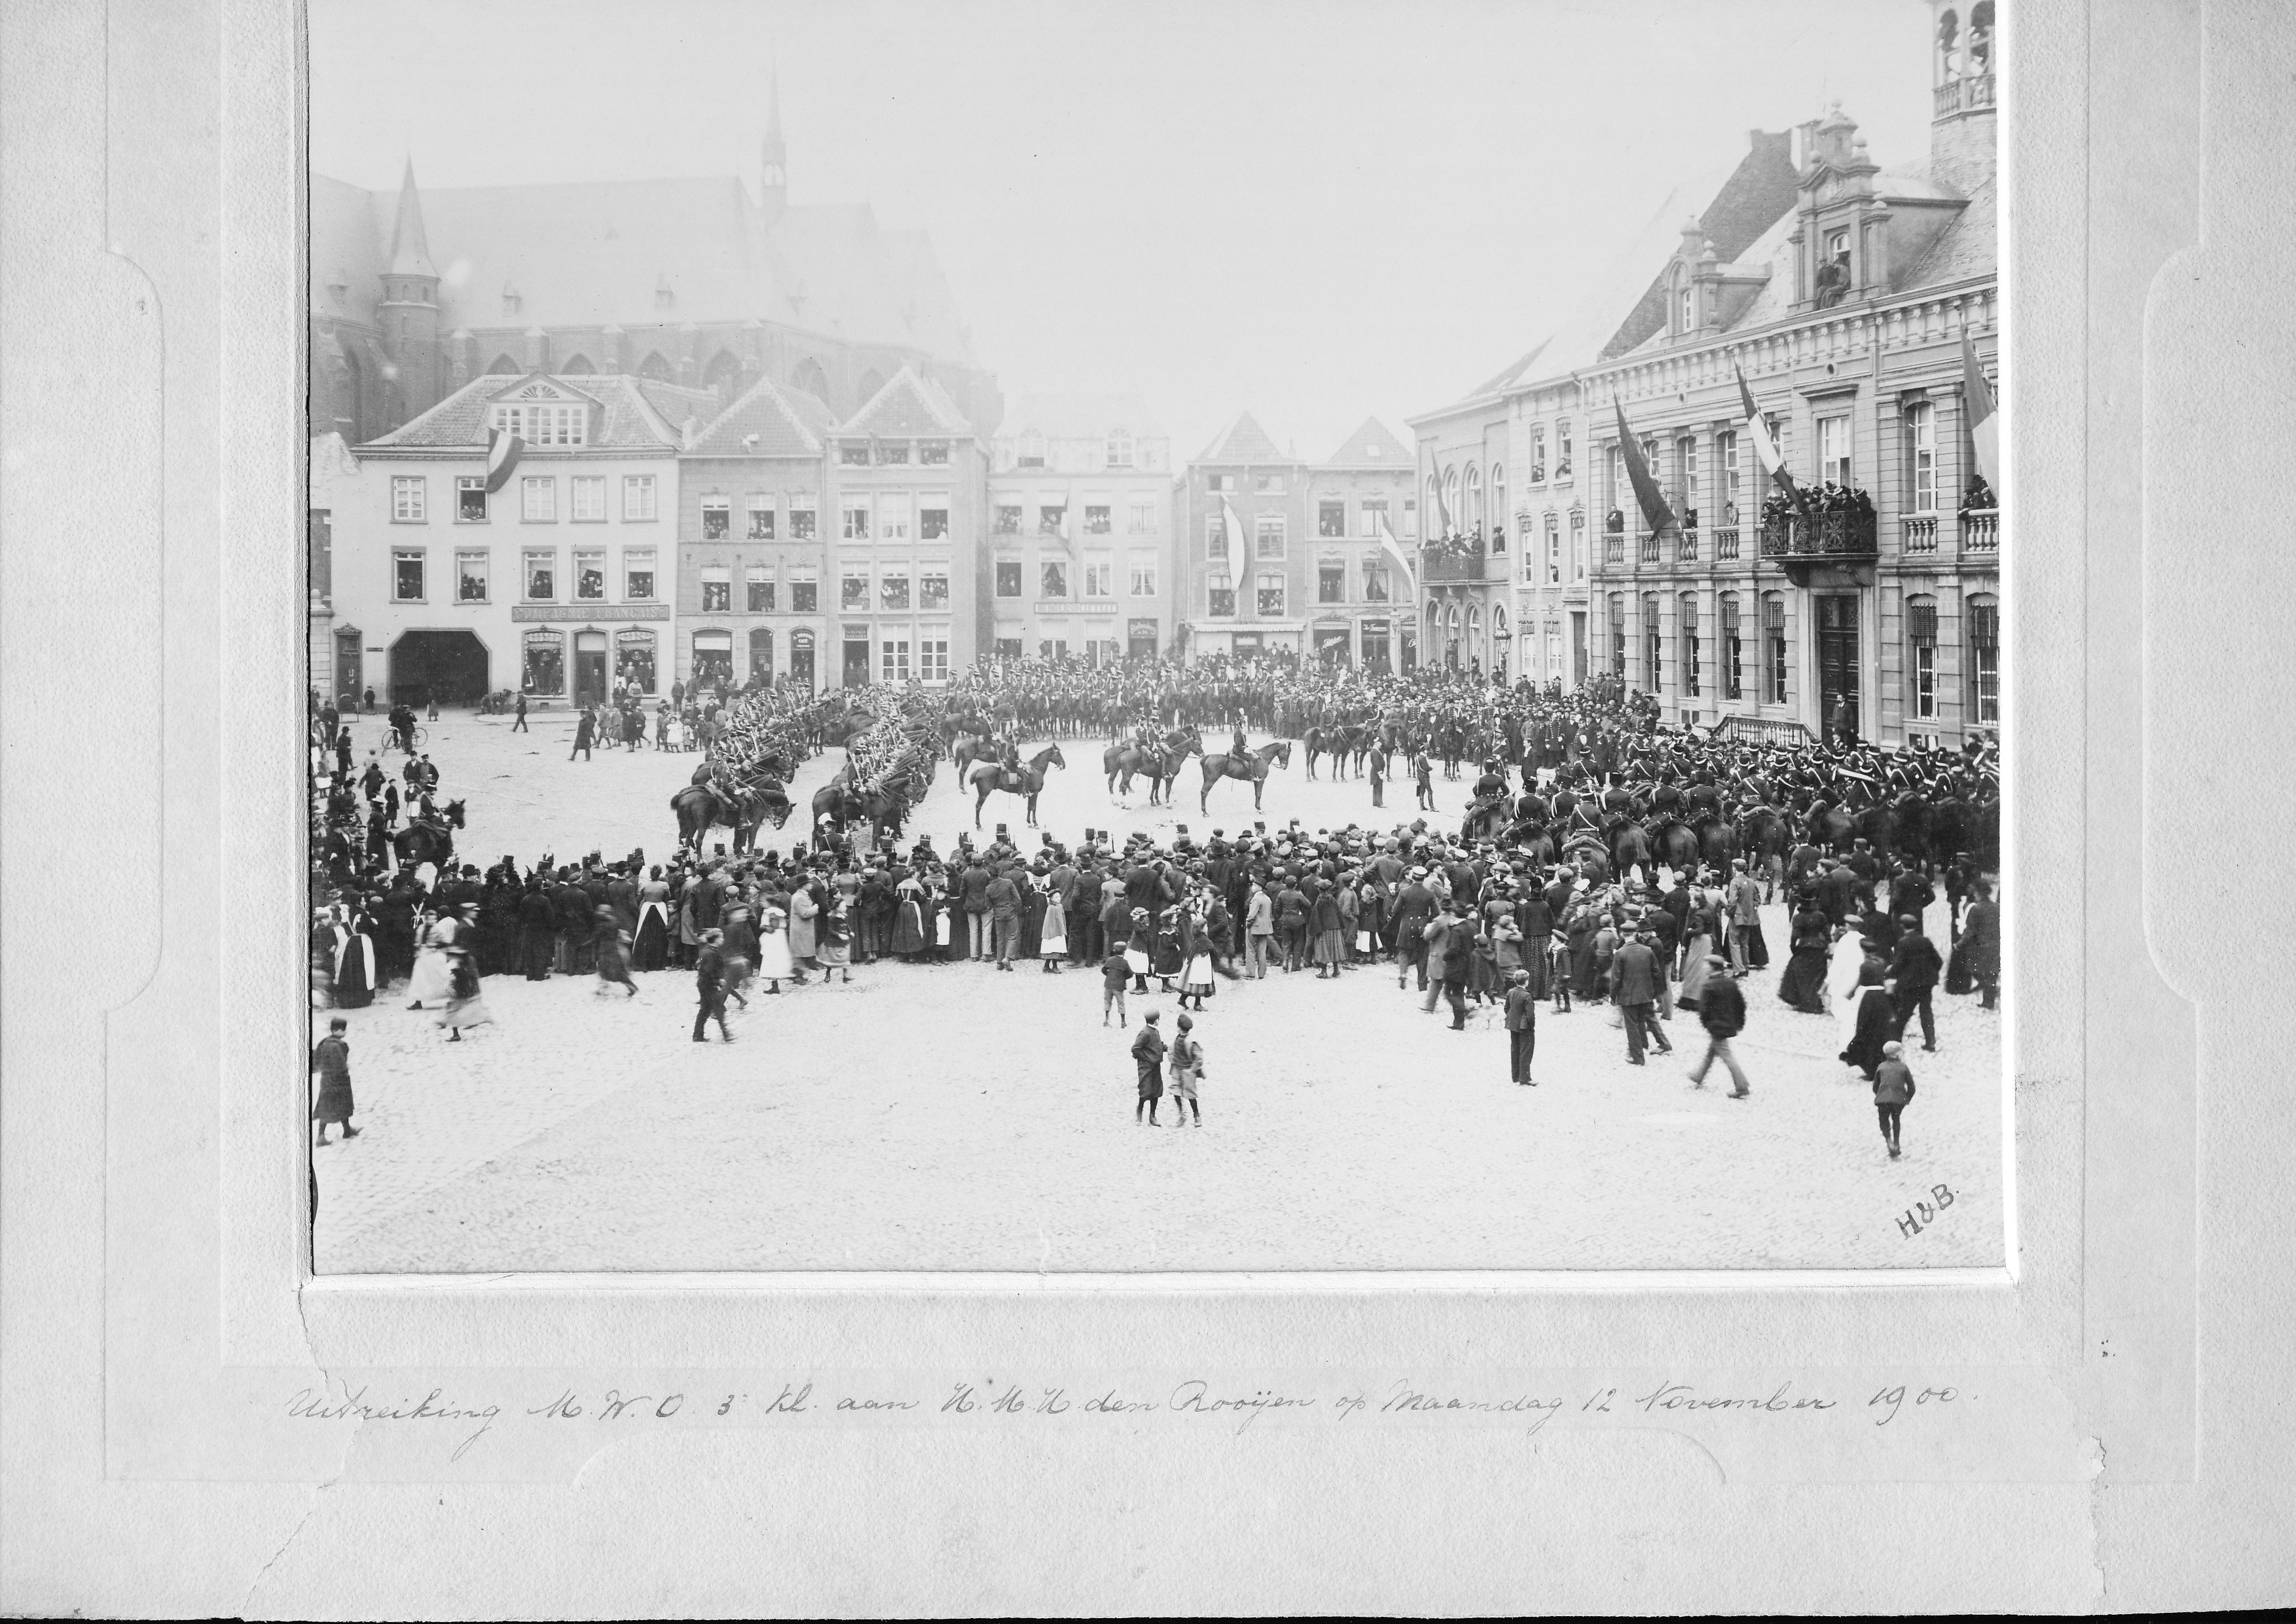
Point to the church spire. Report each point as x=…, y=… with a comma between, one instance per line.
x=773, y=189
x=410, y=250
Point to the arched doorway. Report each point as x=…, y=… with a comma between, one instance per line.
x=449, y=666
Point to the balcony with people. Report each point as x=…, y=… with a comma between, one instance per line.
x=1835, y=524
x=1980, y=518
x=1452, y=558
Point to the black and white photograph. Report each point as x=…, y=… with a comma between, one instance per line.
x=1143, y=808
x=789, y=543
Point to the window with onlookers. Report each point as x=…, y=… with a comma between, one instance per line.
x=590, y=574
x=932, y=589
x=762, y=516
x=805, y=599
x=717, y=589
x=470, y=499
x=1374, y=581
x=893, y=591
x=1332, y=518
x=853, y=455
x=637, y=575
x=1008, y=578
x=1096, y=520
x=1270, y=595
x=716, y=517
x=932, y=516
x=853, y=592
x=760, y=583
x=933, y=452
x=541, y=575
x=470, y=577
x=1054, y=578
x=1052, y=518
x=1008, y=520
x=1330, y=582
x=856, y=520
x=800, y=518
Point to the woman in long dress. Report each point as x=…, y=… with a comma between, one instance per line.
x=1803, y=983
x=774, y=965
x=1328, y=945
x=804, y=913
x=1053, y=931
x=612, y=945
x=1196, y=952
x=429, y=985
x=651, y=948
x=910, y=932
x=354, y=960
x=466, y=1006
x=1694, y=969
x=834, y=945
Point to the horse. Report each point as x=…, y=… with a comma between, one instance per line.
x=1123, y=760
x=987, y=776
x=1253, y=767
x=1677, y=848
x=1630, y=847
x=1762, y=833
x=429, y=843
x=1717, y=843
x=700, y=809
x=1484, y=820
x=1534, y=840
x=1331, y=742
x=1450, y=744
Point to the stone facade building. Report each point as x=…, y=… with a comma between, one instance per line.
x=1080, y=534
x=1843, y=291
x=1244, y=593
x=1359, y=602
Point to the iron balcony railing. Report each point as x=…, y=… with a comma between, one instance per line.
x=1451, y=566
x=1833, y=536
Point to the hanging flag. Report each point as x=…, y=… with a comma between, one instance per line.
x=1653, y=500
x=1394, y=550
x=1236, y=556
x=1984, y=421
x=1766, y=449
x=503, y=452
x=1443, y=508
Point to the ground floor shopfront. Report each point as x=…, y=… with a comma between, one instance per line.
x=1910, y=656
x=1099, y=633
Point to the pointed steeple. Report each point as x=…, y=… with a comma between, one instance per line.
x=410, y=250
x=773, y=179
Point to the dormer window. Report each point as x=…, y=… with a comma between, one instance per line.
x=1686, y=319
x=1032, y=452
x=1119, y=449
x=542, y=415
x=851, y=455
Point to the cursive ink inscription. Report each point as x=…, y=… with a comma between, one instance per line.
x=1197, y=1399
x=1404, y=1399
x=1890, y=1399
x=319, y=1406
x=1681, y=1395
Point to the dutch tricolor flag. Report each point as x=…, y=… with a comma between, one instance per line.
x=503, y=452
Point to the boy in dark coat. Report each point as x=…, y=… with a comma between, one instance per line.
x=1114, y=972
x=1893, y=1087
x=331, y=1060
x=1148, y=1056
x=1523, y=1027
x=1914, y=970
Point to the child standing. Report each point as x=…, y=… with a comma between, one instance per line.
x=1115, y=975
x=1148, y=1055
x=1893, y=1086
x=1187, y=1071
x=331, y=1060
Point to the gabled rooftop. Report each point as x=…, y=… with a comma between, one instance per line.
x=1243, y=441
x=784, y=421
x=634, y=413
x=1373, y=446
x=907, y=405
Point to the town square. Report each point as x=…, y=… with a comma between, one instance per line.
x=780, y=802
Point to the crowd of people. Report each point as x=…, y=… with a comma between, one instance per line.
x=1461, y=919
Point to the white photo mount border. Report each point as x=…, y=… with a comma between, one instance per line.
x=212, y=1325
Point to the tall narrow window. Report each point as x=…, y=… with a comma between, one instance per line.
x=1562, y=449
x=407, y=575
x=1732, y=683
x=470, y=499
x=762, y=516
x=1687, y=631
x=589, y=498
x=470, y=577
x=1653, y=651
x=760, y=582
x=1921, y=639
x=1920, y=458
x=537, y=499
x=717, y=588
x=1833, y=450
x=637, y=497
x=406, y=499
x=637, y=575
x=1726, y=452
x=1774, y=632
x=1985, y=664
x=542, y=575
x=1619, y=636
x=716, y=517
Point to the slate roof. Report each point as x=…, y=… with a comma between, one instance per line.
x=586, y=254
x=787, y=421
x=635, y=415
x=1079, y=417
x=906, y=406
x=1758, y=193
x=1243, y=441
x=1373, y=446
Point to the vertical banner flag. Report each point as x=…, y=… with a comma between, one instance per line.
x=503, y=452
x=1767, y=452
x=1984, y=421
x=1653, y=500
x=1237, y=556
x=1394, y=551
x=1442, y=507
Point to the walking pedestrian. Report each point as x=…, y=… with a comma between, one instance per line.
x=1115, y=974
x=465, y=1004
x=519, y=724
x=1260, y=930
x=709, y=988
x=1634, y=982
x=1722, y=1011
x=1522, y=1028
x=1148, y=1059
x=1893, y=1089
x=585, y=733
x=332, y=1061
x=1914, y=970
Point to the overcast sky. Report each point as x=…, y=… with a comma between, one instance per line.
x=1320, y=211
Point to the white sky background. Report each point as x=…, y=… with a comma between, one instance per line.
x=1319, y=211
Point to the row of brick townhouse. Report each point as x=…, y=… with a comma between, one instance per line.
x=638, y=541
x=1303, y=568
x=1843, y=292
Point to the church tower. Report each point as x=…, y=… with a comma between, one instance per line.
x=408, y=314
x=1962, y=76
x=773, y=178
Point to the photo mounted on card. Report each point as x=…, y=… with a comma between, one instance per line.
x=740, y=511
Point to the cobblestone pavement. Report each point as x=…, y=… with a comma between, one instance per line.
x=956, y=1118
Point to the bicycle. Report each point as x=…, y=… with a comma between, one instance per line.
x=391, y=741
